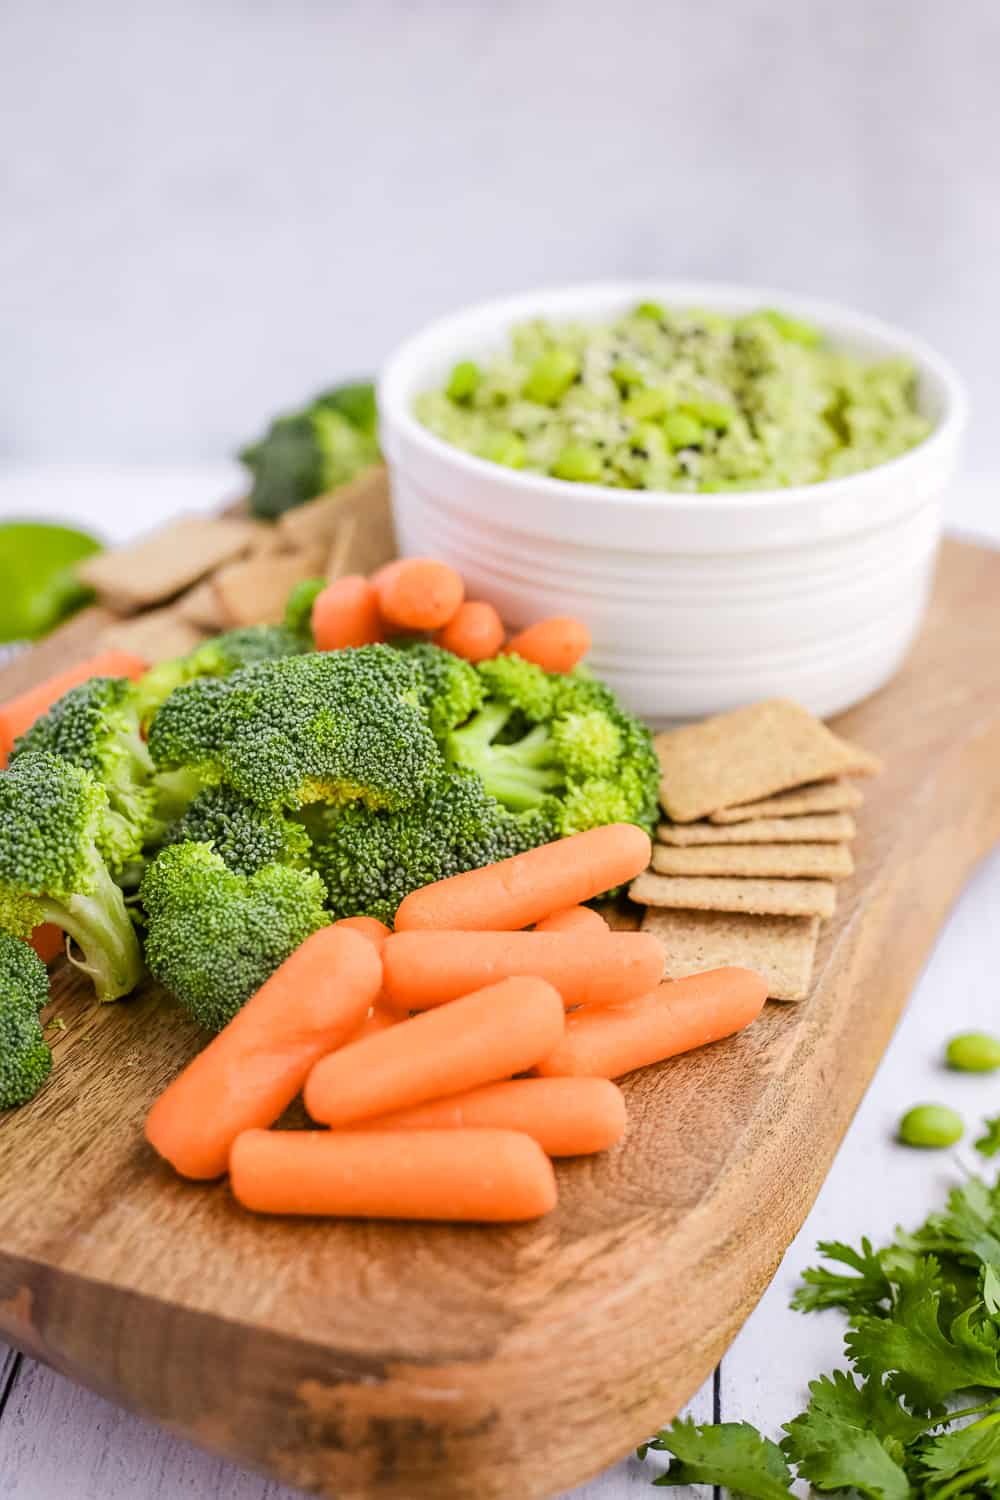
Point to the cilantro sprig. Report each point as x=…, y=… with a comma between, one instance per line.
x=923, y=1327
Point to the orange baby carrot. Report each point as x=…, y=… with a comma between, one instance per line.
x=519, y=891
x=566, y=1116
x=487, y=1035
x=573, y=919
x=346, y=614
x=370, y=927
x=556, y=644
x=419, y=593
x=424, y=969
x=679, y=1015
x=485, y=1176
x=48, y=942
x=18, y=714
x=379, y=1016
x=253, y=1069
x=475, y=631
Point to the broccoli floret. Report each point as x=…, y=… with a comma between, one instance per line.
x=213, y=937
x=335, y=726
x=96, y=726
x=541, y=736
x=245, y=836
x=307, y=452
x=217, y=657
x=25, y=1056
x=53, y=837
x=450, y=689
x=370, y=860
x=299, y=607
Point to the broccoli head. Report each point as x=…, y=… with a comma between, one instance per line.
x=541, y=737
x=246, y=837
x=299, y=606
x=217, y=657
x=308, y=452
x=25, y=1056
x=96, y=726
x=449, y=688
x=54, y=835
x=370, y=860
x=213, y=936
x=334, y=726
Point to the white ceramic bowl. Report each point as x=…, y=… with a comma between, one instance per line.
x=697, y=603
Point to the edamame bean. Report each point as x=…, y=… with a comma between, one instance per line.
x=712, y=413
x=682, y=430
x=463, y=380
x=793, y=329
x=653, y=402
x=577, y=461
x=974, y=1052
x=930, y=1126
x=654, y=310
x=626, y=375
x=504, y=448
x=551, y=376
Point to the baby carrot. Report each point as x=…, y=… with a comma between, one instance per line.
x=519, y=891
x=474, y=631
x=556, y=644
x=370, y=927
x=18, y=714
x=678, y=1016
x=379, y=1018
x=419, y=593
x=253, y=1069
x=424, y=969
x=573, y=919
x=346, y=614
x=566, y=1116
x=48, y=942
x=490, y=1034
x=485, y=1176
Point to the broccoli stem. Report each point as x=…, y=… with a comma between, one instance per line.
x=100, y=926
x=520, y=775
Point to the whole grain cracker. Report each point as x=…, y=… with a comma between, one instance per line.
x=748, y=754
x=783, y=898
x=824, y=796
x=772, y=861
x=316, y=522
x=157, y=635
x=202, y=607
x=781, y=949
x=821, y=828
x=255, y=592
x=164, y=564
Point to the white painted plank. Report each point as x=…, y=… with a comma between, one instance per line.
x=875, y=1184
x=102, y=1453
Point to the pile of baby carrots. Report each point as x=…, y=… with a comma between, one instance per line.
x=422, y=594
x=450, y=1059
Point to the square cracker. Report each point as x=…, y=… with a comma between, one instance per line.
x=823, y=797
x=773, y=861
x=782, y=898
x=748, y=754
x=821, y=828
x=170, y=560
x=781, y=949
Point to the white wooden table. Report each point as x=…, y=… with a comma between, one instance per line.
x=58, y=1442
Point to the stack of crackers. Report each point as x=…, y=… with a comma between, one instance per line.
x=203, y=574
x=758, y=833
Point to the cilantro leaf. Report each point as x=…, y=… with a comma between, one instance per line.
x=958, y=1462
x=988, y=1143
x=825, y=1288
x=853, y=1437
x=969, y=1227
x=927, y=1364
x=733, y=1455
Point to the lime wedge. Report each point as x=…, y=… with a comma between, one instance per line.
x=38, y=587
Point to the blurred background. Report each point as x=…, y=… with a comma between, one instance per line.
x=210, y=211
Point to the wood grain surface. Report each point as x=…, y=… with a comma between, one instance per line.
x=455, y=1362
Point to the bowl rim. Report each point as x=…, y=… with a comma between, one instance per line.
x=395, y=410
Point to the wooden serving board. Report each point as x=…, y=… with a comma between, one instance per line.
x=462, y=1363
